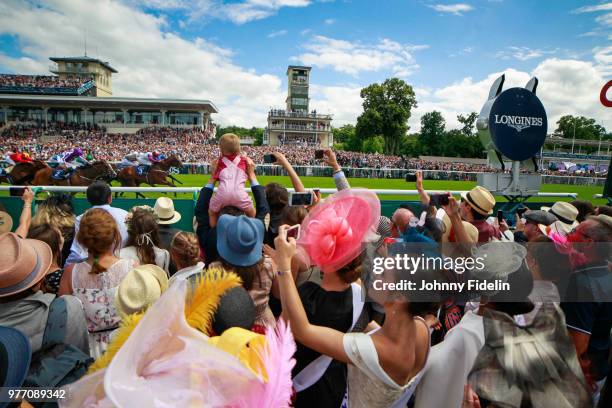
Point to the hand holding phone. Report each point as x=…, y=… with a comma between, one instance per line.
x=293, y=232
x=319, y=154
x=439, y=200
x=500, y=216
x=304, y=198
x=269, y=158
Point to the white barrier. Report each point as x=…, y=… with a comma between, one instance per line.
x=193, y=190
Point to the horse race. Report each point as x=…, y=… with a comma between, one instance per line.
x=306, y=203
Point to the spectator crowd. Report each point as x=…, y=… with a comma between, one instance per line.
x=40, y=81
x=275, y=305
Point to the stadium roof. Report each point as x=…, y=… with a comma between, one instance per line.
x=84, y=59
x=298, y=67
x=107, y=102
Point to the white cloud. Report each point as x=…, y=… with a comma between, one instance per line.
x=566, y=87
x=355, y=57
x=523, y=53
x=330, y=21
x=237, y=12
x=597, y=7
x=306, y=31
x=153, y=63
x=278, y=33
x=456, y=9
x=343, y=102
x=605, y=19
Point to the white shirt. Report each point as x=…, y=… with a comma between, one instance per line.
x=77, y=252
x=449, y=364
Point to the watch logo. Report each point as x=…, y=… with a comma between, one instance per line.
x=518, y=122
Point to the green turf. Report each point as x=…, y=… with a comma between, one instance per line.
x=584, y=192
x=197, y=180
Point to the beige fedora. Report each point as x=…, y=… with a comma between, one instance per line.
x=480, y=199
x=472, y=231
x=565, y=213
x=6, y=222
x=23, y=263
x=140, y=288
x=164, y=209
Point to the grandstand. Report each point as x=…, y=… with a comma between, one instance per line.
x=80, y=95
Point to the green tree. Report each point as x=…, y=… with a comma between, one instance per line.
x=468, y=123
x=582, y=127
x=386, y=110
x=410, y=146
x=343, y=133
x=353, y=143
x=432, y=134
x=374, y=144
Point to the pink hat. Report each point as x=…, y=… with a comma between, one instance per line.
x=333, y=232
x=23, y=263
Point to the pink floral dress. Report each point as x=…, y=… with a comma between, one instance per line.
x=97, y=294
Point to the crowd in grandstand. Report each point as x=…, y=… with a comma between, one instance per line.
x=129, y=308
x=40, y=81
x=195, y=146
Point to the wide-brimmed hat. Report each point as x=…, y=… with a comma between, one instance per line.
x=140, y=288
x=566, y=215
x=480, y=199
x=6, y=222
x=240, y=239
x=472, y=231
x=164, y=209
x=23, y=263
x=334, y=231
x=15, y=355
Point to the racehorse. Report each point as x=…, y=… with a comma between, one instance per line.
x=157, y=174
x=22, y=174
x=82, y=176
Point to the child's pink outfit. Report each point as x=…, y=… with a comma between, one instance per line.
x=231, y=191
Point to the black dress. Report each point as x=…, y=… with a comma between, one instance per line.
x=329, y=309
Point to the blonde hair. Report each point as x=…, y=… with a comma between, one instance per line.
x=55, y=216
x=229, y=143
x=185, y=247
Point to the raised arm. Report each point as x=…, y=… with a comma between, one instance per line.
x=26, y=213
x=419, y=186
x=259, y=193
x=321, y=339
x=339, y=177
x=295, y=179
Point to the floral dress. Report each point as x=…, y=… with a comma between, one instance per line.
x=97, y=294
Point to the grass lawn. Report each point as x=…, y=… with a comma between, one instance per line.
x=584, y=192
x=196, y=180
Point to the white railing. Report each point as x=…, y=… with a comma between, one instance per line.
x=73, y=189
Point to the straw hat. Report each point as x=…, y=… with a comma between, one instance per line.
x=6, y=222
x=480, y=199
x=566, y=215
x=472, y=231
x=23, y=263
x=140, y=288
x=334, y=231
x=164, y=209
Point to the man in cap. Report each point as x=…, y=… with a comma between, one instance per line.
x=476, y=206
x=530, y=228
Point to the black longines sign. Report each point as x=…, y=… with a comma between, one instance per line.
x=518, y=123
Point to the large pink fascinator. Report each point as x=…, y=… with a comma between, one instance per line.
x=333, y=232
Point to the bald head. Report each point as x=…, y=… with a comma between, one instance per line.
x=401, y=218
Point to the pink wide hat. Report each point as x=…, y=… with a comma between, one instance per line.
x=332, y=234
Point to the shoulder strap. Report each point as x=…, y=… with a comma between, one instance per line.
x=55, y=329
x=226, y=161
x=315, y=370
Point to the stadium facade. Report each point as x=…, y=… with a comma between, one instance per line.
x=80, y=94
x=296, y=124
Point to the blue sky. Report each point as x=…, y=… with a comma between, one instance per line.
x=236, y=52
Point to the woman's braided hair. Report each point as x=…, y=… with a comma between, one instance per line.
x=99, y=234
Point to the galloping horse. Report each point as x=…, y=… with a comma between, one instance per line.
x=22, y=174
x=83, y=176
x=157, y=174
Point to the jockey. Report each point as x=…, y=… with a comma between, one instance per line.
x=14, y=158
x=130, y=160
x=148, y=159
x=72, y=159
